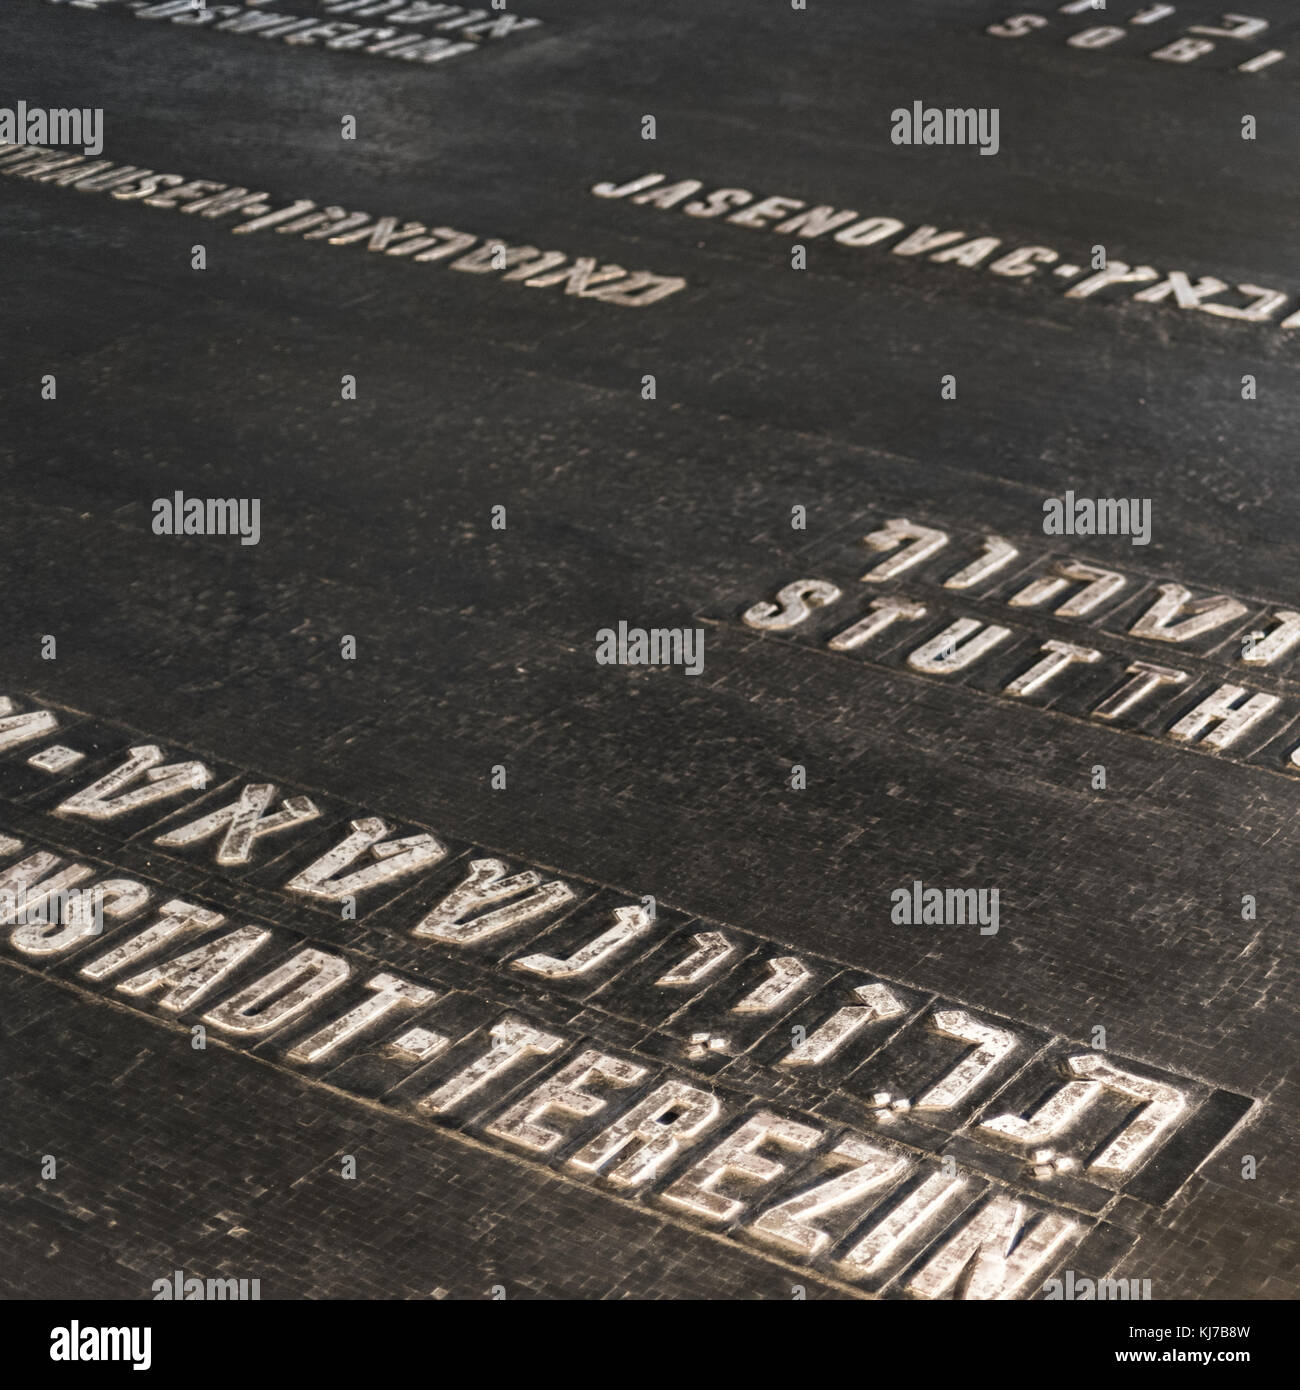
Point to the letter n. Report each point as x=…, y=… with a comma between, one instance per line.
x=995, y=1254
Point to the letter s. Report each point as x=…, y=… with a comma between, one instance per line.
x=794, y=605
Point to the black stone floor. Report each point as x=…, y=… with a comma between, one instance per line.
x=775, y=388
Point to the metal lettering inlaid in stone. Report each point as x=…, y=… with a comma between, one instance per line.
x=1164, y=620
x=1271, y=648
x=787, y=977
x=21, y=729
x=585, y=277
x=794, y=605
x=884, y=613
x=998, y=554
x=1232, y=709
x=1235, y=26
x=195, y=975
x=564, y=1093
x=578, y=279
x=1100, y=585
x=992, y=1256
x=486, y=883
x=635, y=1146
x=421, y=1043
x=176, y=918
x=513, y=1040
x=57, y=758
x=1147, y=678
x=115, y=898
x=1260, y=62
x=902, y=1225
x=1184, y=293
x=956, y=647
x=276, y=999
x=1162, y=1106
x=991, y=1045
x=655, y=1130
x=390, y=993
x=25, y=889
x=878, y=1001
x=1058, y=657
x=1266, y=303
x=1058, y=1113
x=243, y=822
x=1114, y=273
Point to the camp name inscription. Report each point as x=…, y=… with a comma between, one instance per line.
x=1093, y=274
x=412, y=30
x=1090, y=641
x=890, y=1140
x=583, y=277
